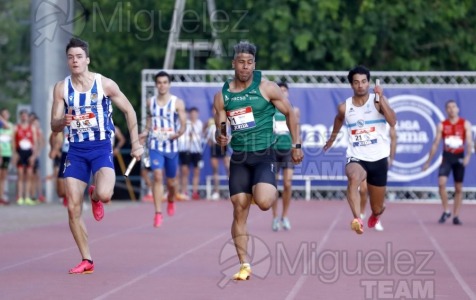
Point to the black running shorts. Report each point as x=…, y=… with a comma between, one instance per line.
x=376, y=170
x=452, y=162
x=249, y=168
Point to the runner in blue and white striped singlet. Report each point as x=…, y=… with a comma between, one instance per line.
x=92, y=112
x=164, y=125
x=83, y=102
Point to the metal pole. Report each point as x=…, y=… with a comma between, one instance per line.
x=50, y=31
x=174, y=34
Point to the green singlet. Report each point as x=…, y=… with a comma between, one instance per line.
x=250, y=116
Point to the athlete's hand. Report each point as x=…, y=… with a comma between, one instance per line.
x=143, y=137
x=328, y=144
x=390, y=162
x=222, y=140
x=53, y=153
x=173, y=136
x=68, y=117
x=137, y=151
x=466, y=160
x=425, y=166
x=296, y=155
x=379, y=91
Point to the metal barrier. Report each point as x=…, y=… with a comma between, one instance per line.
x=311, y=190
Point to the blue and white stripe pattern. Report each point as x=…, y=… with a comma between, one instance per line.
x=164, y=122
x=91, y=109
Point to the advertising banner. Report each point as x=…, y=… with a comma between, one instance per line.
x=419, y=111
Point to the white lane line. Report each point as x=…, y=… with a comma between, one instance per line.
x=446, y=259
x=302, y=279
x=159, y=267
x=24, y=262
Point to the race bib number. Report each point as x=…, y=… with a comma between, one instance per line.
x=453, y=142
x=84, y=122
x=280, y=127
x=241, y=119
x=5, y=138
x=163, y=134
x=25, y=144
x=363, y=136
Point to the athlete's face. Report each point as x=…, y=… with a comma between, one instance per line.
x=360, y=85
x=77, y=60
x=244, y=64
x=452, y=110
x=163, y=85
x=24, y=118
x=193, y=115
x=5, y=114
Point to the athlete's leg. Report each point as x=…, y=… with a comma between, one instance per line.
x=216, y=183
x=458, y=176
x=287, y=189
x=355, y=174
x=239, y=232
x=171, y=164
x=363, y=192
x=442, y=191
x=458, y=199
x=75, y=192
x=377, y=198
x=196, y=178
x=3, y=180
x=21, y=181
x=184, y=175
x=104, y=180
x=30, y=177
x=158, y=189
x=274, y=207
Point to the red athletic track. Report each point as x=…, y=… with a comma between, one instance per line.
x=181, y=260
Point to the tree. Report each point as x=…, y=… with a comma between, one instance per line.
x=14, y=53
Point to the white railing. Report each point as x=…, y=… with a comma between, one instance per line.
x=312, y=190
x=321, y=78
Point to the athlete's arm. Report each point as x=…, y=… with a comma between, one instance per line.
x=469, y=142
x=180, y=107
x=338, y=121
x=384, y=107
x=14, y=146
x=4, y=123
x=41, y=138
x=434, y=146
x=121, y=140
x=111, y=89
x=148, y=123
x=273, y=92
x=279, y=100
x=58, y=118
x=393, y=145
x=35, y=148
x=219, y=117
x=55, y=142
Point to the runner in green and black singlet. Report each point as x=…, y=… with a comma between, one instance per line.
x=249, y=104
x=250, y=116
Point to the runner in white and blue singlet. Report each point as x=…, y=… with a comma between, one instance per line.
x=366, y=116
x=165, y=123
x=83, y=103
